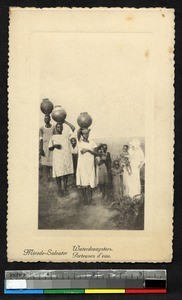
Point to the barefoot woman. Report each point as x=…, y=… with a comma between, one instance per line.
x=85, y=176
x=45, y=133
x=62, y=158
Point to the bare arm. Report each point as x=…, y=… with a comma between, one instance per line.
x=57, y=146
x=93, y=152
x=51, y=148
x=42, y=153
x=141, y=164
x=79, y=134
x=70, y=125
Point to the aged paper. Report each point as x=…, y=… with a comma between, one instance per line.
x=117, y=65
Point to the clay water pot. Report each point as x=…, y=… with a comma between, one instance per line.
x=46, y=106
x=84, y=120
x=59, y=114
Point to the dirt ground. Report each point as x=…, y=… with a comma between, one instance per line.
x=69, y=212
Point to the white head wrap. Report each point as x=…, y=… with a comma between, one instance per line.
x=135, y=143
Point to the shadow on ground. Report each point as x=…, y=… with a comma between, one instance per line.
x=70, y=213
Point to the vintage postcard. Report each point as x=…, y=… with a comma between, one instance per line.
x=91, y=121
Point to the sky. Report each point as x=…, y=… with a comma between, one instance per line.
x=102, y=74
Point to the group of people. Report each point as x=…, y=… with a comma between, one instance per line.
x=63, y=152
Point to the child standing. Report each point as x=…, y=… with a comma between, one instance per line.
x=74, y=151
x=117, y=173
x=108, y=165
x=101, y=171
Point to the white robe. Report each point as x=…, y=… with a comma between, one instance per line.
x=134, y=184
x=45, y=135
x=62, y=158
x=85, y=175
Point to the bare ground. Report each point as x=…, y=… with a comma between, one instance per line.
x=69, y=212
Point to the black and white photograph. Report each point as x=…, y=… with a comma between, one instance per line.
x=87, y=183
x=91, y=134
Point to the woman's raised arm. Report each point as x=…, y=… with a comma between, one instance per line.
x=70, y=125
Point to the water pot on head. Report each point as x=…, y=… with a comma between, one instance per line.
x=84, y=120
x=59, y=114
x=46, y=106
